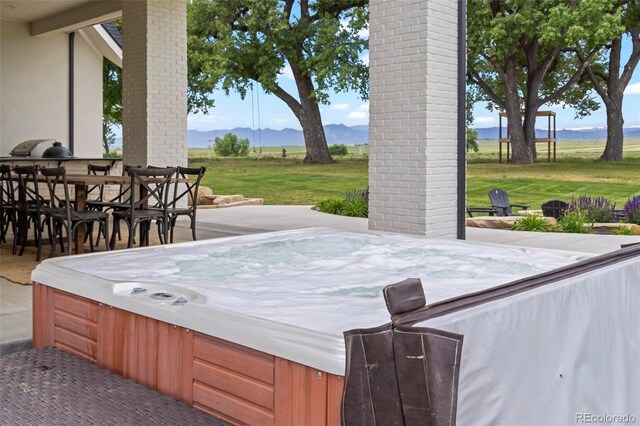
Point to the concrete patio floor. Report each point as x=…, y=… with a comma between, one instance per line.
x=15, y=300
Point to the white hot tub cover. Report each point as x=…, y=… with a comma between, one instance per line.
x=549, y=349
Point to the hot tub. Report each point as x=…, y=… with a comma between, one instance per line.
x=250, y=328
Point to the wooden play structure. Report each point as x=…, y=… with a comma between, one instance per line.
x=550, y=139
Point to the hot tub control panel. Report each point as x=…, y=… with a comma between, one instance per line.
x=158, y=294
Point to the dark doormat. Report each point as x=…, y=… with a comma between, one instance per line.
x=50, y=387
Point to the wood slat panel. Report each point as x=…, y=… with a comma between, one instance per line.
x=131, y=368
x=119, y=335
x=76, y=305
x=105, y=337
x=335, y=387
x=169, y=355
x=75, y=341
x=76, y=324
x=301, y=394
x=254, y=364
x=111, y=339
x=42, y=314
x=147, y=349
x=215, y=413
x=237, y=409
x=315, y=397
x=284, y=392
x=187, y=367
x=234, y=383
x=74, y=352
x=140, y=349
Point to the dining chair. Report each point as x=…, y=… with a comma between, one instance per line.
x=31, y=207
x=61, y=214
x=121, y=200
x=148, y=202
x=95, y=193
x=182, y=194
x=8, y=207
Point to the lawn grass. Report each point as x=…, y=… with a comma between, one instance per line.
x=284, y=180
x=289, y=181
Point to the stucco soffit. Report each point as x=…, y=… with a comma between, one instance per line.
x=87, y=14
x=103, y=43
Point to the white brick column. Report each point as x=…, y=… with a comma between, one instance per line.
x=413, y=124
x=154, y=82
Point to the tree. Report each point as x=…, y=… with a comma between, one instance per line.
x=610, y=80
x=520, y=57
x=471, y=135
x=231, y=146
x=111, y=98
x=111, y=101
x=233, y=43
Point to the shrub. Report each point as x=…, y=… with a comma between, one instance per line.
x=574, y=221
x=231, y=146
x=623, y=230
x=595, y=210
x=338, y=149
x=533, y=223
x=355, y=203
x=356, y=207
x=332, y=205
x=632, y=210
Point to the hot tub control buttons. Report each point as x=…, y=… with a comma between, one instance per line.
x=138, y=290
x=161, y=295
x=181, y=301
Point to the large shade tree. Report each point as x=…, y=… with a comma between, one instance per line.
x=235, y=43
x=610, y=77
x=111, y=102
x=520, y=56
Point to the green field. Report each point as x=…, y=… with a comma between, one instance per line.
x=288, y=181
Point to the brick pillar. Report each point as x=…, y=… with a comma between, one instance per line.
x=154, y=86
x=413, y=124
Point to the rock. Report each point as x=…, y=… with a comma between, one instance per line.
x=203, y=193
x=609, y=228
x=227, y=199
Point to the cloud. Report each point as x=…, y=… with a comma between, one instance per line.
x=358, y=115
x=633, y=89
x=340, y=107
x=365, y=58
x=286, y=72
x=364, y=107
x=483, y=121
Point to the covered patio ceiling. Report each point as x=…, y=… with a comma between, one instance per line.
x=61, y=15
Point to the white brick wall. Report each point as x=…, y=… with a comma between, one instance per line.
x=413, y=116
x=155, y=82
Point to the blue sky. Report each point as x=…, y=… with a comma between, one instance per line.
x=346, y=108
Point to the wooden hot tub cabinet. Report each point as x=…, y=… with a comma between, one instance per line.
x=230, y=381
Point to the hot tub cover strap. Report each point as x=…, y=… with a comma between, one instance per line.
x=398, y=374
x=401, y=376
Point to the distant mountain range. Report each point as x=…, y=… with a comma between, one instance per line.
x=335, y=134
x=587, y=133
x=359, y=135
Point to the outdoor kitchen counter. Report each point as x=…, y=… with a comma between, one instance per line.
x=73, y=165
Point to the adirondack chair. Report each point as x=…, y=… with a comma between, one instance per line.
x=554, y=208
x=500, y=202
